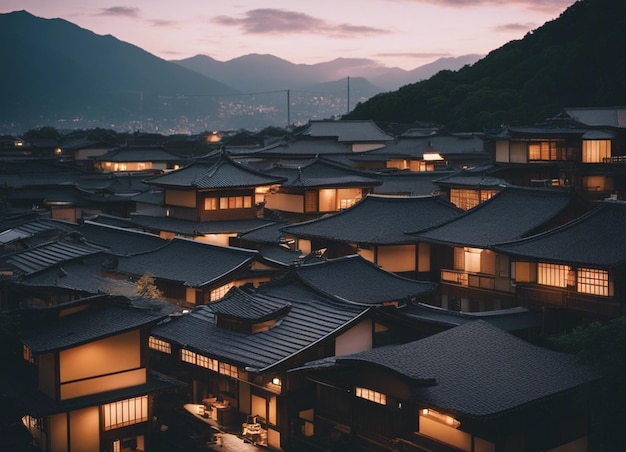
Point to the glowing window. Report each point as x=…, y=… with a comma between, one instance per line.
x=372, y=396
x=125, y=412
x=229, y=370
x=552, y=274
x=28, y=355
x=158, y=344
x=210, y=203
x=235, y=202
x=463, y=198
x=596, y=151
x=209, y=363
x=187, y=356
x=593, y=281
x=218, y=293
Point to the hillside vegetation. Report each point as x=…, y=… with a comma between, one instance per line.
x=577, y=60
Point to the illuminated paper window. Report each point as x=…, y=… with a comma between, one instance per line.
x=229, y=370
x=596, y=151
x=210, y=203
x=593, y=281
x=209, y=363
x=372, y=396
x=188, y=356
x=552, y=274
x=125, y=412
x=159, y=345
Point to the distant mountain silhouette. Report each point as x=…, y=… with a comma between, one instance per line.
x=577, y=60
x=55, y=69
x=257, y=72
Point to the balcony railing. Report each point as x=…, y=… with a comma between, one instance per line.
x=477, y=280
x=618, y=159
x=568, y=299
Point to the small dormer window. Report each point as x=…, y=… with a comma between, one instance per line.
x=248, y=313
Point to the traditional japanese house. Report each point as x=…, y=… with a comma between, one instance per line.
x=358, y=135
x=351, y=279
x=42, y=257
x=111, y=194
x=236, y=351
x=200, y=196
x=471, y=388
x=317, y=188
x=94, y=385
x=584, y=148
x=82, y=150
x=436, y=152
x=189, y=272
x=376, y=228
x=473, y=276
x=469, y=187
x=575, y=273
x=234, y=354
x=137, y=158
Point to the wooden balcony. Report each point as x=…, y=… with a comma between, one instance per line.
x=477, y=280
x=608, y=307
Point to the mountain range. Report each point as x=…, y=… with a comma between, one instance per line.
x=65, y=76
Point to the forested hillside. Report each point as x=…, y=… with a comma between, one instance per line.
x=577, y=60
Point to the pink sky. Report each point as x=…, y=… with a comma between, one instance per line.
x=403, y=33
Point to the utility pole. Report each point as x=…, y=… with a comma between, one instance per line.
x=348, y=96
x=288, y=110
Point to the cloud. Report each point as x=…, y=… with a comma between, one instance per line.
x=514, y=27
x=539, y=5
x=277, y=21
x=119, y=11
x=163, y=23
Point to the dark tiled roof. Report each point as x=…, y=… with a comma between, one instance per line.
x=49, y=254
x=88, y=325
x=408, y=183
x=195, y=264
x=512, y=319
x=509, y=215
x=347, y=131
x=120, y=241
x=243, y=305
x=30, y=227
x=278, y=254
x=598, y=116
x=217, y=172
x=116, y=183
x=83, y=276
x=65, y=194
x=266, y=234
x=594, y=239
x=195, y=228
x=303, y=147
x=478, y=177
x=139, y=154
x=381, y=220
x=154, y=197
x=479, y=370
x=309, y=321
x=353, y=279
x=323, y=173
x=416, y=147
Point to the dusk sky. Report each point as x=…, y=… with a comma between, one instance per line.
x=403, y=33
